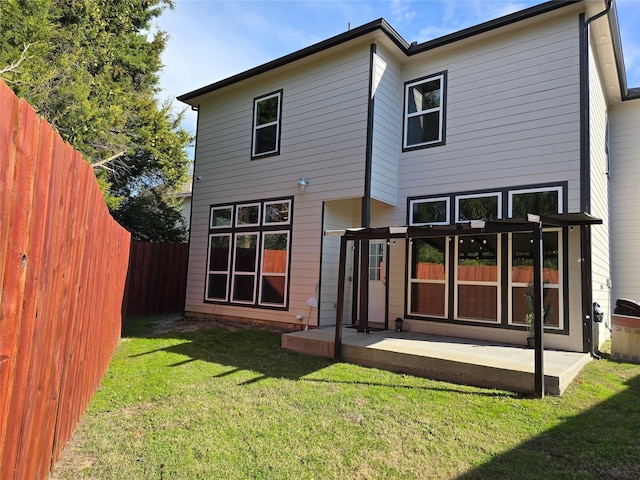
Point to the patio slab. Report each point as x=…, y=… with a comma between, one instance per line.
x=458, y=360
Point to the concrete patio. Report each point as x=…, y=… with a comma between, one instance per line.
x=458, y=360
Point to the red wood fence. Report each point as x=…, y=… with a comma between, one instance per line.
x=157, y=279
x=63, y=266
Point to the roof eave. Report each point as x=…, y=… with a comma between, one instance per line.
x=380, y=24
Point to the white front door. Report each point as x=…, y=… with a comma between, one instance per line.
x=377, y=280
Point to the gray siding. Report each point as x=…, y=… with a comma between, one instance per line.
x=324, y=116
x=512, y=113
x=387, y=128
x=625, y=199
x=599, y=191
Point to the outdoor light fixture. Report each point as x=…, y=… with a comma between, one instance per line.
x=303, y=183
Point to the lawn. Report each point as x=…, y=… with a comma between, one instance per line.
x=213, y=403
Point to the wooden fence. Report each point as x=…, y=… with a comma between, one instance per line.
x=63, y=266
x=157, y=279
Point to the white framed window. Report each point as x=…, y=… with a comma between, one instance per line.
x=539, y=201
x=429, y=211
x=218, y=267
x=428, y=277
x=521, y=278
x=245, y=268
x=221, y=217
x=274, y=268
x=248, y=215
x=480, y=206
x=248, y=253
x=424, y=111
x=266, y=124
x=477, y=278
x=277, y=212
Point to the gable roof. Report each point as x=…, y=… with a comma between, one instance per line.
x=381, y=25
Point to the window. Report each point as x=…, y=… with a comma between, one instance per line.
x=521, y=253
x=485, y=278
x=432, y=211
x=221, y=217
x=218, y=267
x=266, y=125
x=424, y=112
x=428, y=279
x=486, y=206
x=248, y=255
x=540, y=201
x=477, y=278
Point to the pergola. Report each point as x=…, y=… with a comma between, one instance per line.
x=532, y=223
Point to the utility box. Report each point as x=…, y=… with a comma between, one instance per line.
x=625, y=337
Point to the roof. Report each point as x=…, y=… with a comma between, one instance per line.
x=380, y=25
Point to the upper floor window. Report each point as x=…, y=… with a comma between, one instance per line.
x=430, y=211
x=424, y=112
x=540, y=201
x=266, y=125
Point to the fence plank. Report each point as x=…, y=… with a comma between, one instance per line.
x=63, y=267
x=156, y=282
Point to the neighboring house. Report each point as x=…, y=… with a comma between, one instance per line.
x=528, y=113
x=184, y=197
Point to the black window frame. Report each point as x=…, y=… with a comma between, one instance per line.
x=238, y=230
x=442, y=109
x=278, y=124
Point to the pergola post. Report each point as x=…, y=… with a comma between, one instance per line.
x=538, y=309
x=363, y=320
x=337, y=346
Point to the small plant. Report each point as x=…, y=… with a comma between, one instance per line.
x=529, y=318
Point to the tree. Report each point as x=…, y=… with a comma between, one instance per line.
x=90, y=67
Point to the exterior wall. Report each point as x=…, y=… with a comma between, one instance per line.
x=324, y=115
x=625, y=200
x=387, y=128
x=513, y=119
x=339, y=214
x=599, y=193
x=513, y=113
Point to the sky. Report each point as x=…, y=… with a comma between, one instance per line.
x=210, y=40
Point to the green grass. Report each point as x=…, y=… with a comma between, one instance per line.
x=220, y=404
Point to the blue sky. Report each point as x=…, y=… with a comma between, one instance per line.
x=212, y=40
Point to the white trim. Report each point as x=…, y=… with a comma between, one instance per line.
x=496, y=284
x=257, y=127
x=559, y=286
x=536, y=190
x=478, y=195
x=275, y=202
x=254, y=274
x=444, y=282
x=218, y=272
x=284, y=274
x=439, y=109
x=429, y=200
x=244, y=205
x=225, y=207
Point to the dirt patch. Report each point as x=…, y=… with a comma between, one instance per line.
x=181, y=323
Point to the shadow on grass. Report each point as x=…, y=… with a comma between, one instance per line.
x=600, y=443
x=240, y=349
x=260, y=352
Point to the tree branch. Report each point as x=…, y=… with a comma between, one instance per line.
x=103, y=163
x=16, y=64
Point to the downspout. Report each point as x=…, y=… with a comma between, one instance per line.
x=585, y=185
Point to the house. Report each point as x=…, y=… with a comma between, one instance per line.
x=393, y=180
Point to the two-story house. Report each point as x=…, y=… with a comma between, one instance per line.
x=436, y=152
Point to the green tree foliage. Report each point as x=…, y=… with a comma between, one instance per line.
x=90, y=67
